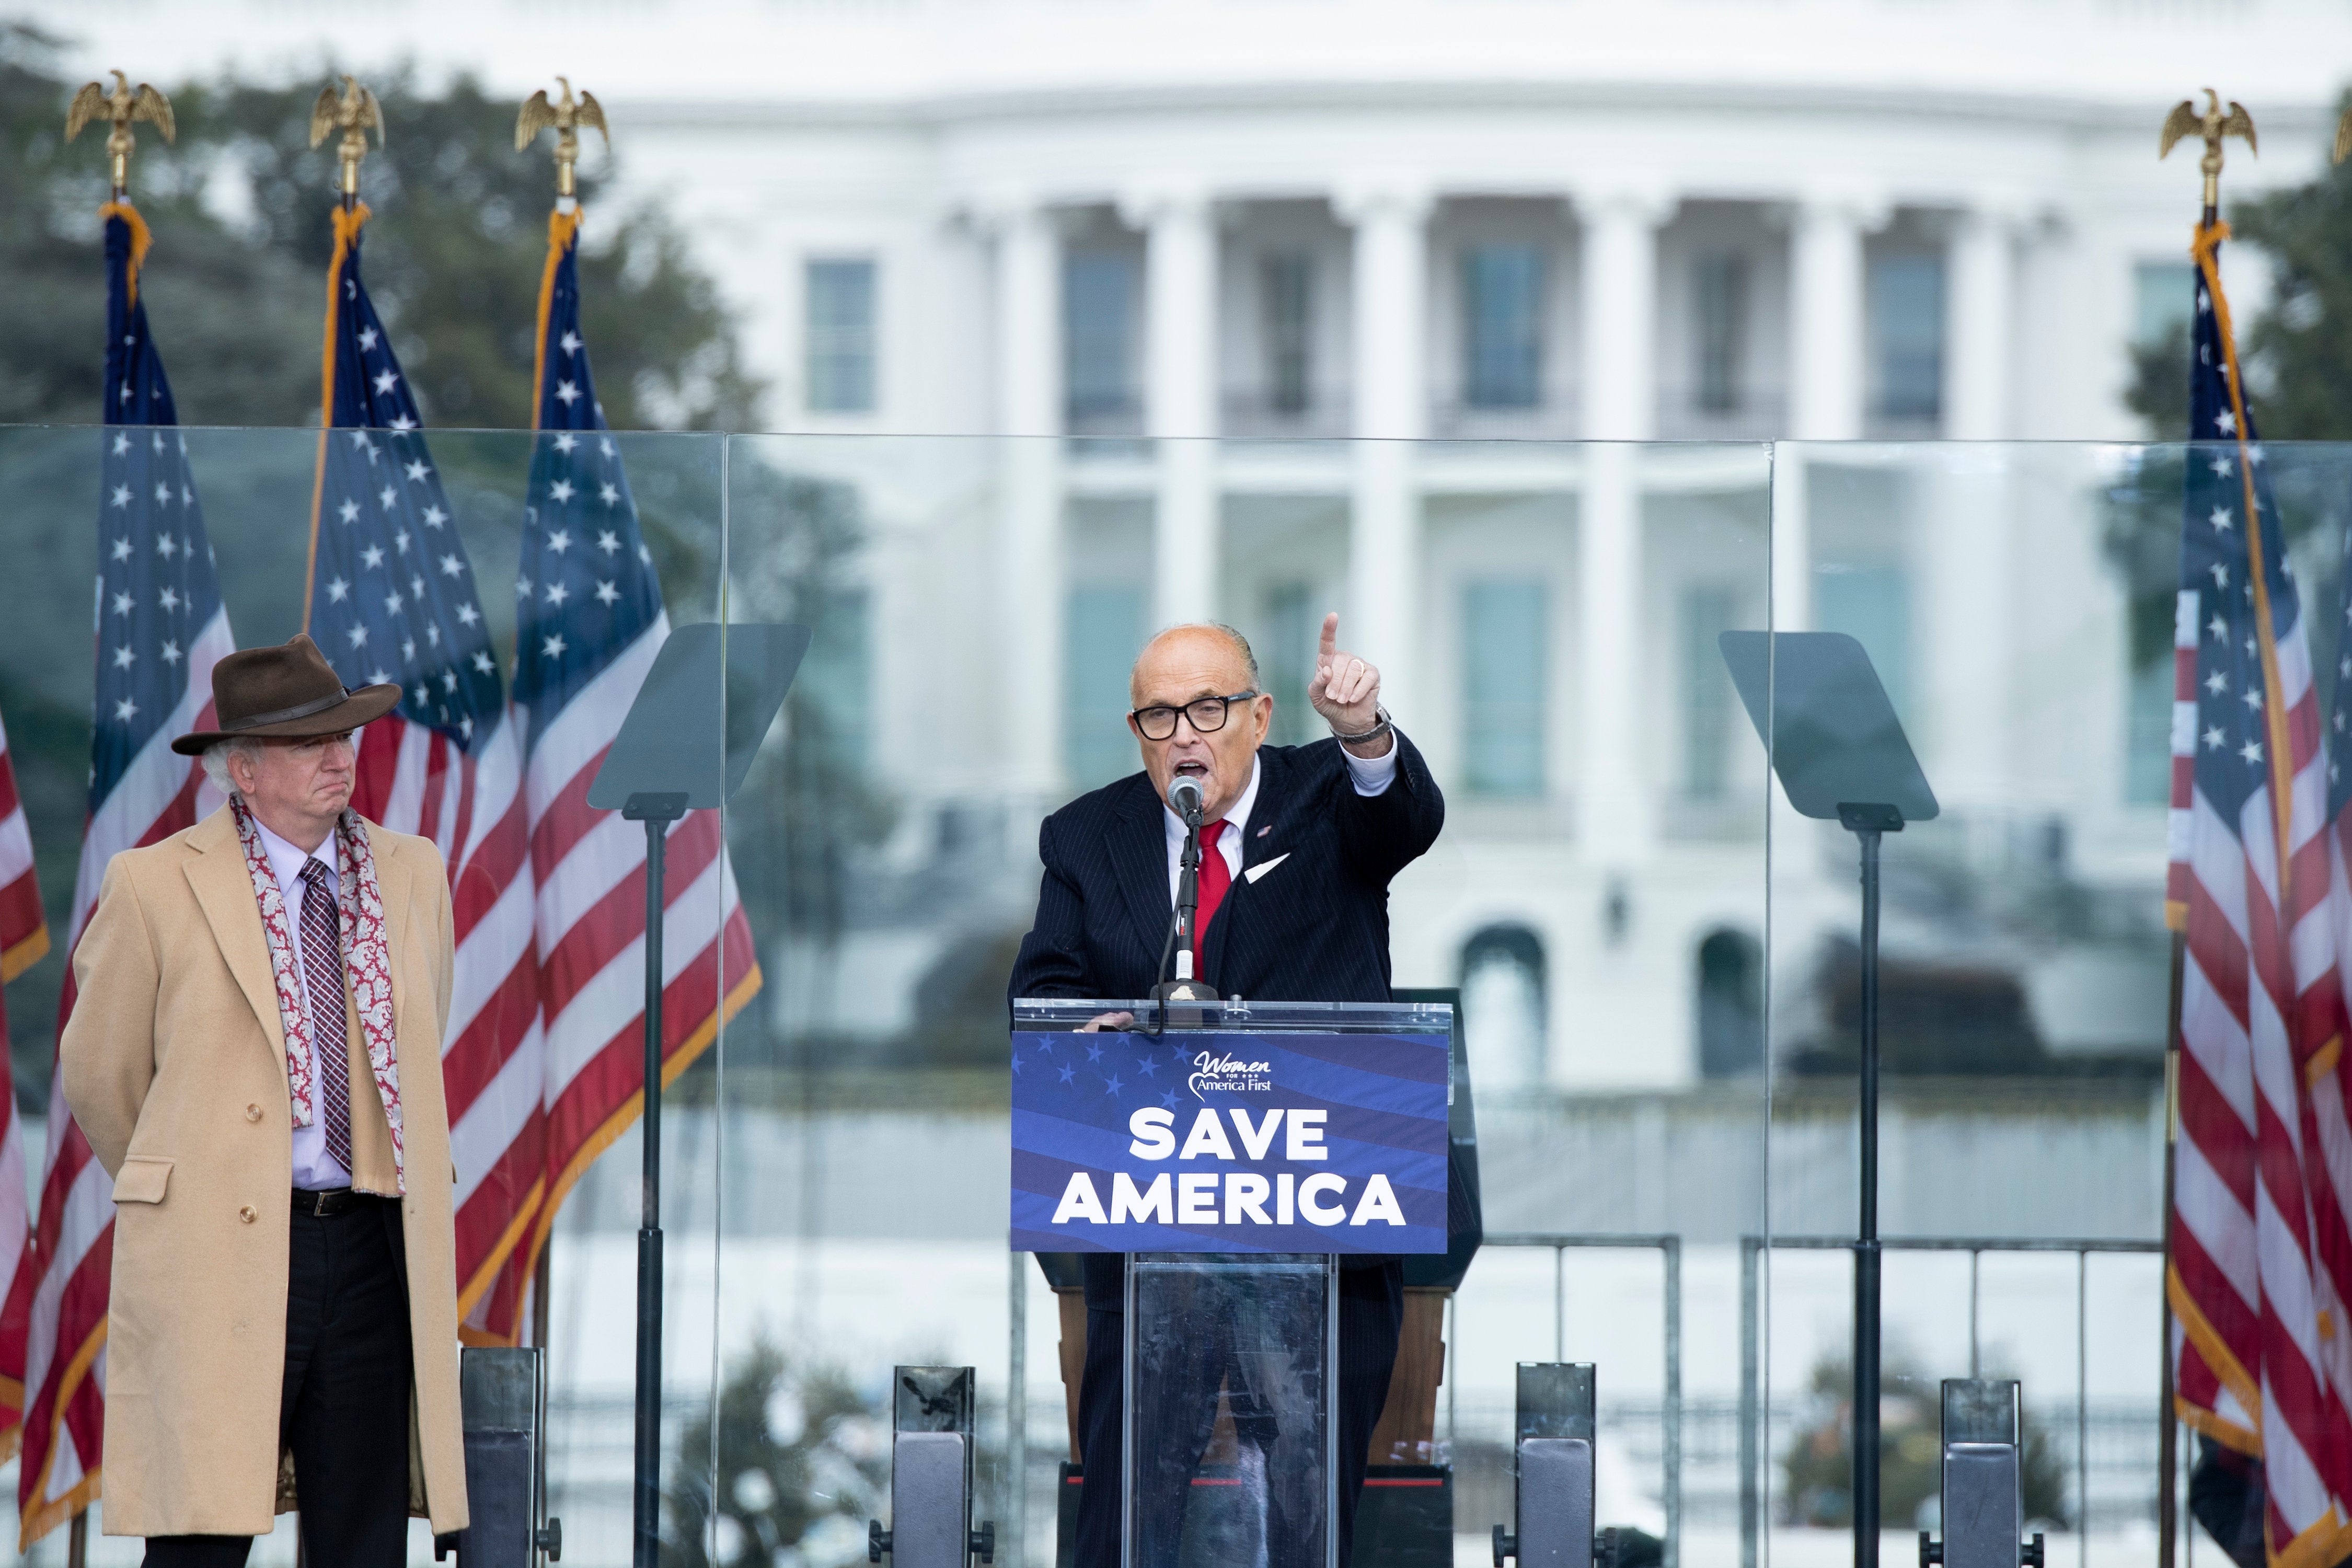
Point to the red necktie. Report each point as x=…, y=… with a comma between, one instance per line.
x=1216, y=878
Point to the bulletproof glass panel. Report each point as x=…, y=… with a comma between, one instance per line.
x=1229, y=1453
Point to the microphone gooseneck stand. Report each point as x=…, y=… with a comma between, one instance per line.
x=1182, y=928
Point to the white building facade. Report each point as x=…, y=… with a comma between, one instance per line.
x=1243, y=225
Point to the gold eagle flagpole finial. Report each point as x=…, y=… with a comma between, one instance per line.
x=354, y=112
x=2215, y=123
x=566, y=117
x=123, y=106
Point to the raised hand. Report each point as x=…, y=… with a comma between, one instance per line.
x=1345, y=689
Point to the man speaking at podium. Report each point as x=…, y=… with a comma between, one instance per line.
x=1299, y=846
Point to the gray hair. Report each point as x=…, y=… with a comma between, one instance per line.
x=216, y=760
x=1230, y=633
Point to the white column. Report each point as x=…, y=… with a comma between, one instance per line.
x=1620, y=312
x=1613, y=816
x=1826, y=315
x=1619, y=274
x=1979, y=324
x=1181, y=402
x=1965, y=545
x=1390, y=303
x=1029, y=413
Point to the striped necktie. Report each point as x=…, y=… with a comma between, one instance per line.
x=322, y=973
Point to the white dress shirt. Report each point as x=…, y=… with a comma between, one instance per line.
x=1372, y=777
x=315, y=1170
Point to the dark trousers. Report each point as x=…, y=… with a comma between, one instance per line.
x=1372, y=1312
x=345, y=1410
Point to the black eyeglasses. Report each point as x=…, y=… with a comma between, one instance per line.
x=1206, y=715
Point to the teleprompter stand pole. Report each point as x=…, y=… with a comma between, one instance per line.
x=685, y=744
x=657, y=811
x=1841, y=755
x=1867, y=823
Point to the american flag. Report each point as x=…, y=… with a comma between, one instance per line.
x=159, y=629
x=24, y=940
x=2260, y=1261
x=393, y=598
x=589, y=621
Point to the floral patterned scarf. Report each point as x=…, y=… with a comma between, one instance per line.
x=367, y=959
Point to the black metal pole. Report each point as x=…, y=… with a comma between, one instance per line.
x=1866, y=1252
x=657, y=812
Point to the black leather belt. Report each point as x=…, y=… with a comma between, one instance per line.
x=332, y=1202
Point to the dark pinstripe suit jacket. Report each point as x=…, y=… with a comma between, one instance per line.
x=1313, y=927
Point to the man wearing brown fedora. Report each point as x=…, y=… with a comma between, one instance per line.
x=255, y=1055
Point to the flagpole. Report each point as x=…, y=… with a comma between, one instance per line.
x=564, y=116
x=2169, y=1423
x=2211, y=127
x=120, y=108
x=352, y=112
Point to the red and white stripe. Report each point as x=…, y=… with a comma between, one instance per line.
x=2261, y=1262
x=73, y=1233
x=24, y=938
x=591, y=869
x=411, y=779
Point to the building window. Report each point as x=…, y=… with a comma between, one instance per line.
x=1288, y=661
x=1105, y=632
x=1906, y=330
x=1730, y=1005
x=834, y=711
x=1503, y=1007
x=2164, y=301
x=2148, y=736
x=840, y=295
x=1719, y=322
x=1287, y=288
x=1870, y=605
x=1706, y=692
x=1502, y=312
x=1098, y=305
x=1503, y=658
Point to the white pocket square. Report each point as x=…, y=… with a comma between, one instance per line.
x=1263, y=866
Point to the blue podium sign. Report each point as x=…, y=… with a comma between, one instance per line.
x=1229, y=1140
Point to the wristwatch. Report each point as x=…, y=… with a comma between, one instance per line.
x=1374, y=733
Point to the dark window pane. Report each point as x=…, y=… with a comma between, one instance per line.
x=1906, y=326
x=1098, y=297
x=1503, y=1007
x=1104, y=633
x=1288, y=283
x=1502, y=681
x=1730, y=1005
x=1502, y=308
x=837, y=679
x=841, y=337
x=1719, y=319
x=1288, y=661
x=1706, y=692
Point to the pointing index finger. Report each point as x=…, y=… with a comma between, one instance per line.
x=1330, y=634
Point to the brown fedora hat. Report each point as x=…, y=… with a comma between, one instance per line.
x=285, y=692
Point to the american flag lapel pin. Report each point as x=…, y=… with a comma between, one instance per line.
x=1267, y=829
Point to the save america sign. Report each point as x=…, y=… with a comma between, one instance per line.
x=1220, y=1141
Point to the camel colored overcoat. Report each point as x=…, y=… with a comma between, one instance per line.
x=175, y=1065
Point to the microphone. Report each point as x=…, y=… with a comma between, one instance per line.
x=1184, y=797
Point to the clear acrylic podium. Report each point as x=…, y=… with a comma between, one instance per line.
x=1231, y=1360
